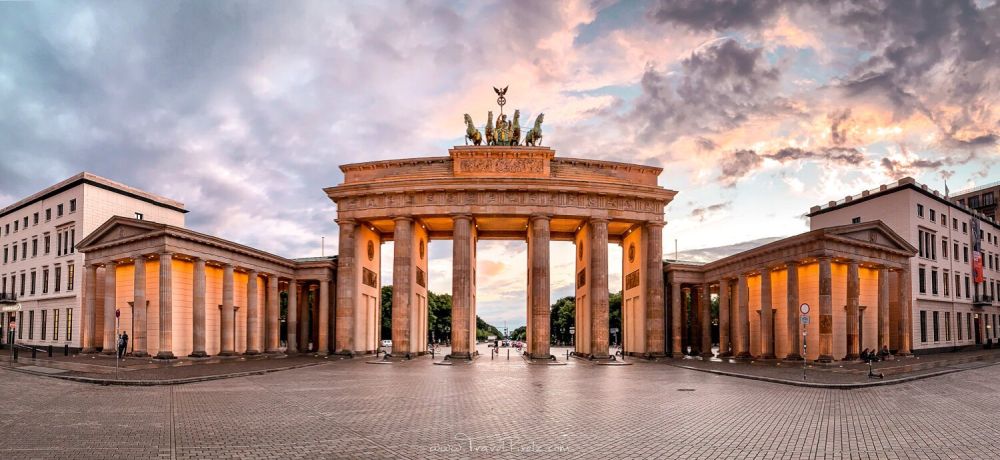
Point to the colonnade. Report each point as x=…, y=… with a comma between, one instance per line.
x=262, y=332
x=691, y=315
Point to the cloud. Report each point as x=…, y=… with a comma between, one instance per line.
x=719, y=15
x=703, y=212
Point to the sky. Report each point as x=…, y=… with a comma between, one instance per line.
x=755, y=110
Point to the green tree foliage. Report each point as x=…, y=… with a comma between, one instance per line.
x=615, y=315
x=484, y=329
x=562, y=316
x=520, y=333
x=386, y=312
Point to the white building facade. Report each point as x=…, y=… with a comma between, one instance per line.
x=41, y=270
x=949, y=309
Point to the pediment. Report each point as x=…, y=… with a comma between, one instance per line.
x=872, y=233
x=117, y=229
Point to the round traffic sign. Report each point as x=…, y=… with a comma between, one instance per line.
x=804, y=308
x=13, y=325
x=118, y=313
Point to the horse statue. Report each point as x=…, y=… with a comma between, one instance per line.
x=515, y=139
x=491, y=138
x=502, y=130
x=534, y=136
x=471, y=133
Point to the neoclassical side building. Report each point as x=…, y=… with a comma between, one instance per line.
x=855, y=279
x=180, y=292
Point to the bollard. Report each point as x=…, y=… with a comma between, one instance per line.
x=508, y=354
x=15, y=353
x=50, y=351
x=33, y=352
x=66, y=350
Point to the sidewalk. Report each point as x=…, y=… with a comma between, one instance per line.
x=146, y=371
x=846, y=374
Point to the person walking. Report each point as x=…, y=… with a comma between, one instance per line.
x=122, y=344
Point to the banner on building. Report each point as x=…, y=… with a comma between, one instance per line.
x=977, y=266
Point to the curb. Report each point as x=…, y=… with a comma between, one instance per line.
x=836, y=386
x=146, y=383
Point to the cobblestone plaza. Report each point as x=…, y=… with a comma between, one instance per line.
x=499, y=408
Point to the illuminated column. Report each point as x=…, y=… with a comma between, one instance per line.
x=724, y=309
x=90, y=315
x=792, y=312
x=539, y=296
x=344, y=337
x=743, y=316
x=599, y=288
x=253, y=315
x=655, y=317
x=825, y=311
x=705, y=319
x=883, y=307
x=323, y=318
x=198, y=310
x=905, y=313
x=853, y=301
x=293, y=316
x=461, y=288
x=766, y=315
x=402, y=277
x=227, y=322
x=166, y=307
x=139, y=307
x=110, y=334
x=273, y=334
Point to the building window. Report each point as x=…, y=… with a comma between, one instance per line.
x=921, y=281
x=72, y=205
x=967, y=287
x=958, y=285
x=59, y=210
x=58, y=275
x=947, y=326
x=15, y=226
x=923, y=326
x=48, y=214
x=43, y=323
x=138, y=216
x=34, y=247
x=968, y=325
x=944, y=248
x=920, y=243
x=59, y=244
x=973, y=201
x=5, y=254
x=72, y=240
x=55, y=324
x=920, y=210
x=45, y=280
x=944, y=282
x=47, y=243
x=955, y=252
x=33, y=276
x=944, y=220
x=20, y=323
x=935, y=318
x=31, y=325
x=69, y=324
x=856, y=220
x=934, y=282
x=34, y=220
x=965, y=254
x=69, y=277
x=958, y=318
x=25, y=222
x=22, y=283
x=965, y=227
x=24, y=249
x=933, y=215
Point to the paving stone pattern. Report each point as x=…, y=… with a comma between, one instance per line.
x=507, y=409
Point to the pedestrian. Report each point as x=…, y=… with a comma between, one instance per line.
x=884, y=354
x=122, y=344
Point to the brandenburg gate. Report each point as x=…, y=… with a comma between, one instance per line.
x=499, y=192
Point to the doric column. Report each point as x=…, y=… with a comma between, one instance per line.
x=166, y=307
x=273, y=324
x=689, y=319
x=323, y=320
x=90, y=315
x=676, y=344
x=198, y=310
x=766, y=315
x=461, y=288
x=139, y=308
x=253, y=315
x=344, y=338
x=792, y=312
x=402, y=275
x=110, y=334
x=825, y=311
x=539, y=295
x=227, y=334
x=883, y=307
x=305, y=328
x=743, y=315
x=655, y=318
x=293, y=316
x=905, y=313
x=599, y=288
x=853, y=301
x=724, y=309
x=705, y=319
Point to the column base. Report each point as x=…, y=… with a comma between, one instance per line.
x=725, y=355
x=165, y=355
x=824, y=359
x=251, y=352
x=707, y=355
x=462, y=356
x=541, y=357
x=226, y=353
x=903, y=354
x=292, y=351
x=108, y=352
x=770, y=356
x=744, y=355
x=852, y=357
x=345, y=353
x=140, y=354
x=88, y=351
x=653, y=356
x=198, y=354
x=793, y=357
x=594, y=357
x=273, y=351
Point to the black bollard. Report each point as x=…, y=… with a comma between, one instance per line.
x=34, y=352
x=50, y=351
x=66, y=350
x=15, y=353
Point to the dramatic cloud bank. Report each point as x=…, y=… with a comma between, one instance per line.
x=756, y=109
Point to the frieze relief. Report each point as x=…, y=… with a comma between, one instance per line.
x=531, y=166
x=501, y=198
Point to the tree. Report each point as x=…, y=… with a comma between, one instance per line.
x=520, y=333
x=561, y=318
x=484, y=329
x=386, y=312
x=615, y=315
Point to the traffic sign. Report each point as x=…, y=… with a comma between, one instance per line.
x=614, y=330
x=13, y=325
x=572, y=330
x=804, y=308
x=118, y=313
x=805, y=319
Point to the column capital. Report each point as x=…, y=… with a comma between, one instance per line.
x=346, y=221
x=826, y=258
x=598, y=220
x=403, y=218
x=461, y=217
x=166, y=253
x=110, y=263
x=792, y=263
x=655, y=224
x=535, y=217
x=138, y=256
x=251, y=272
